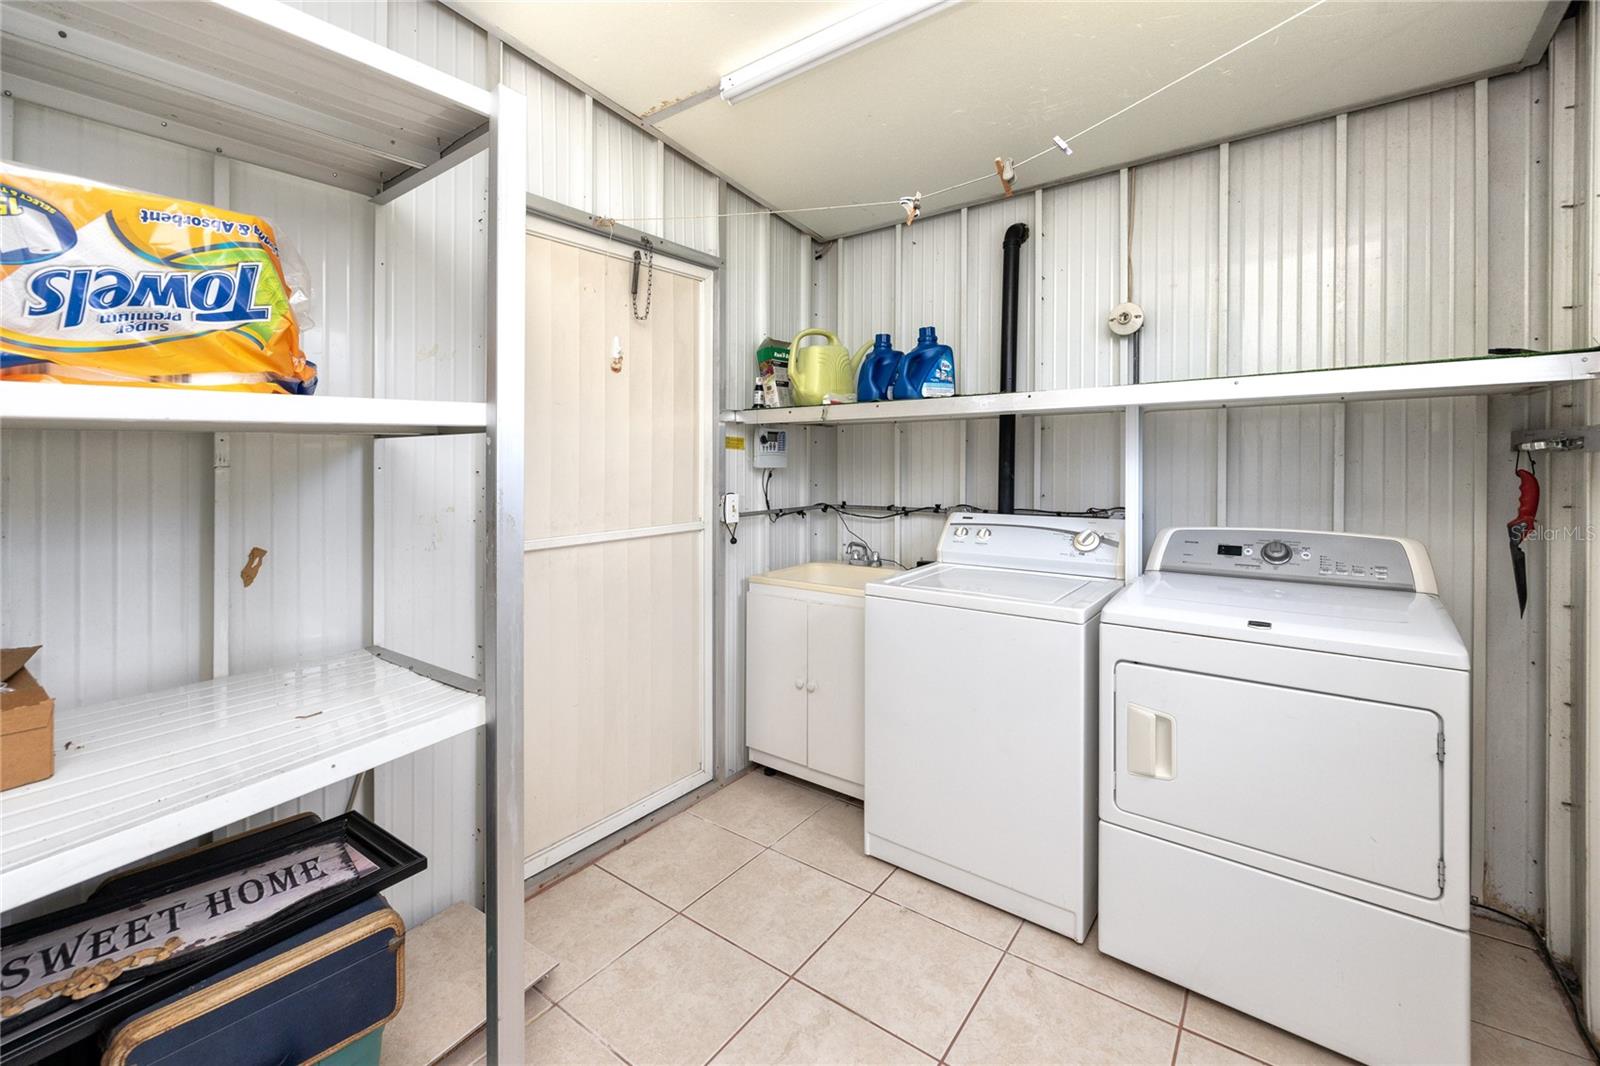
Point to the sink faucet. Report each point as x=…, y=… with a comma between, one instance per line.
x=860, y=553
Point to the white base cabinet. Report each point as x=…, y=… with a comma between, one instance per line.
x=805, y=673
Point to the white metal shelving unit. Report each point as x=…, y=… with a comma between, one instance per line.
x=264, y=83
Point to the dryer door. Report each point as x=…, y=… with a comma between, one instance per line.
x=1348, y=785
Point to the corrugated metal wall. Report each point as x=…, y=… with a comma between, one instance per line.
x=1415, y=230
x=764, y=290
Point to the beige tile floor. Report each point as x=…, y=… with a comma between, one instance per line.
x=751, y=929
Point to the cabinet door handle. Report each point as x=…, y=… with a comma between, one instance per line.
x=811, y=686
x=799, y=683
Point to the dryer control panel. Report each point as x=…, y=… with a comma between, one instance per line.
x=1296, y=555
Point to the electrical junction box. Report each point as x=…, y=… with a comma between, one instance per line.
x=772, y=449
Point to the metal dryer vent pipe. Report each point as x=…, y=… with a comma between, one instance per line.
x=1011, y=248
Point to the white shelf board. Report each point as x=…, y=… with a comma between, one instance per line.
x=1451, y=377
x=256, y=79
x=45, y=405
x=137, y=775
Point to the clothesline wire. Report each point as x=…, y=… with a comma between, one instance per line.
x=989, y=176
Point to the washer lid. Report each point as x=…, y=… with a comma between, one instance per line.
x=1061, y=597
x=1405, y=627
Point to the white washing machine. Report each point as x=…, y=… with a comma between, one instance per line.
x=980, y=714
x=1284, y=771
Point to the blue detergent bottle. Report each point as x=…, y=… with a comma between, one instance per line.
x=876, y=376
x=927, y=370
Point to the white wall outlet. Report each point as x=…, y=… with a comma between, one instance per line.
x=730, y=508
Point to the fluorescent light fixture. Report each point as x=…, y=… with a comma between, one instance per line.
x=831, y=42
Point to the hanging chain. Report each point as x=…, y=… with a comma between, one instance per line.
x=648, y=255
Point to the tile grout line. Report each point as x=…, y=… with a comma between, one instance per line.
x=1100, y=991
x=743, y=836
x=843, y=1006
x=696, y=899
x=1181, y=1026
x=653, y=932
x=965, y=1018
x=681, y=912
x=1183, y=1012
x=855, y=1013
x=830, y=873
x=937, y=921
x=1021, y=922
x=787, y=977
x=728, y=940
x=870, y=895
x=1533, y=1040
x=754, y=1015
x=676, y=912
x=600, y=1037
x=613, y=961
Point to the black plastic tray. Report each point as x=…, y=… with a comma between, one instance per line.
x=55, y=1027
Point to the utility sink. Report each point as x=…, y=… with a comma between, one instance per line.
x=840, y=578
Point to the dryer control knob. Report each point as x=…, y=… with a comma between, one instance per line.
x=1276, y=552
x=1086, y=540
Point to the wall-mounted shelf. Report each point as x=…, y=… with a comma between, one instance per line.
x=42, y=405
x=1451, y=377
x=136, y=775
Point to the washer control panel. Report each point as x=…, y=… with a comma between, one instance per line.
x=1289, y=555
x=1088, y=547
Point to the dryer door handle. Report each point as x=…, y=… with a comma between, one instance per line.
x=1150, y=743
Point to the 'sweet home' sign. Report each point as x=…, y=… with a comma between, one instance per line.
x=81, y=959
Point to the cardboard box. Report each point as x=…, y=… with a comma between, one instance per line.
x=27, y=722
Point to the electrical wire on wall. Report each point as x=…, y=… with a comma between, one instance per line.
x=876, y=513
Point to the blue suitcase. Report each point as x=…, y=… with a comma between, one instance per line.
x=322, y=995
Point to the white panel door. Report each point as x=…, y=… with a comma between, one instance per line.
x=775, y=687
x=618, y=565
x=837, y=642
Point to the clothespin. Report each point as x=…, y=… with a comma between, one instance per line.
x=913, y=206
x=1007, y=174
x=1062, y=144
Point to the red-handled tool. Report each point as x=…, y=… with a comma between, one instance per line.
x=1522, y=527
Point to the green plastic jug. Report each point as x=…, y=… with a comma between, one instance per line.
x=820, y=371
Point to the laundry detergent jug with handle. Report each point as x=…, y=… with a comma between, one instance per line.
x=821, y=373
x=875, y=372
x=927, y=370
